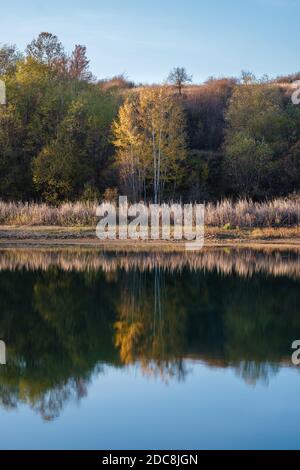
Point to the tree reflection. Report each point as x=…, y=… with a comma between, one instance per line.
x=61, y=327
x=256, y=372
x=151, y=324
x=58, y=327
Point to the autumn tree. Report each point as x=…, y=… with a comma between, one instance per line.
x=128, y=144
x=150, y=141
x=79, y=64
x=179, y=77
x=164, y=145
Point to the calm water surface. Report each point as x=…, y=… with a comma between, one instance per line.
x=128, y=351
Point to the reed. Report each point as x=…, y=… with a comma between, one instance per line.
x=282, y=212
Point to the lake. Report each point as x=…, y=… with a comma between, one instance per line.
x=149, y=350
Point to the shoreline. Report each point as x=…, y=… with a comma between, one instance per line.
x=59, y=237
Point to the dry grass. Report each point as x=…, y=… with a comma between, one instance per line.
x=67, y=214
x=249, y=214
x=270, y=233
x=225, y=214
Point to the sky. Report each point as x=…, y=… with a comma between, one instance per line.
x=146, y=38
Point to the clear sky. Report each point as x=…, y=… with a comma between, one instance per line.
x=146, y=38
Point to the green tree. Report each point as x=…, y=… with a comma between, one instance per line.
x=36, y=104
x=46, y=49
x=256, y=137
x=72, y=164
x=55, y=116
x=9, y=57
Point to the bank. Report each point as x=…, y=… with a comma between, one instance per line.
x=275, y=237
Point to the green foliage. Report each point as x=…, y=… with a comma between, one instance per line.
x=73, y=161
x=55, y=130
x=203, y=178
x=260, y=130
x=241, y=139
x=46, y=49
x=9, y=57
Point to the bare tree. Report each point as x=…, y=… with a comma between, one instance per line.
x=179, y=77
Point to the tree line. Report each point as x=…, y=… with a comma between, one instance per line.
x=64, y=135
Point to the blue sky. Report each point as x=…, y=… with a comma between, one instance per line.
x=145, y=39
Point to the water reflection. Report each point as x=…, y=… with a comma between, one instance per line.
x=66, y=315
x=244, y=262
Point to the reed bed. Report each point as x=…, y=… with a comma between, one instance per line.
x=33, y=214
x=249, y=214
x=282, y=212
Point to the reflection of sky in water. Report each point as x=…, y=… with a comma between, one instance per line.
x=126, y=410
x=144, y=351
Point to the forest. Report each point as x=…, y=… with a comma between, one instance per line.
x=66, y=135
